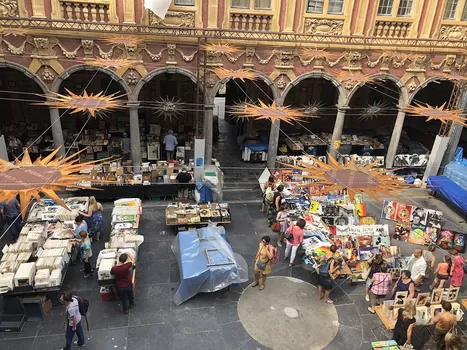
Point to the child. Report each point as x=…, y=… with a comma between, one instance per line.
x=442, y=272
x=281, y=217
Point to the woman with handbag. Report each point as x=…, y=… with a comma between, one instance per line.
x=263, y=261
x=294, y=236
x=375, y=263
x=379, y=287
x=281, y=221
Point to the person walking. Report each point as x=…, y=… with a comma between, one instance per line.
x=85, y=250
x=276, y=204
x=297, y=235
x=325, y=269
x=11, y=211
x=417, y=266
x=123, y=280
x=74, y=325
x=170, y=142
x=402, y=333
x=404, y=284
x=444, y=322
x=183, y=178
x=375, y=263
x=282, y=218
x=457, y=268
x=263, y=262
x=442, y=273
x=430, y=259
x=268, y=194
x=96, y=220
x=380, y=283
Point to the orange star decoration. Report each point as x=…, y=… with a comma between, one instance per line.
x=355, y=178
x=241, y=74
x=109, y=62
x=355, y=78
x=437, y=113
x=223, y=49
x=272, y=112
x=13, y=31
x=47, y=175
x=125, y=40
x=93, y=104
x=309, y=53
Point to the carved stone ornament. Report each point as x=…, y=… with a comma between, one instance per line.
x=281, y=84
x=173, y=19
x=132, y=77
x=210, y=83
x=453, y=32
x=8, y=8
x=411, y=87
x=323, y=26
x=47, y=75
x=88, y=46
x=44, y=46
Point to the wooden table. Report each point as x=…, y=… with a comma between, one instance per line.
x=387, y=322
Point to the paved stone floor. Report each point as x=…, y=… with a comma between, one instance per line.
x=212, y=321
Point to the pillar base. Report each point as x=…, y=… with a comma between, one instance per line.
x=436, y=156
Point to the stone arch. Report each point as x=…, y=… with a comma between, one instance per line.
x=424, y=85
x=342, y=94
x=402, y=89
x=66, y=73
x=212, y=94
x=162, y=70
x=27, y=73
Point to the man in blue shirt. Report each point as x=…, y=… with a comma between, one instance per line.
x=11, y=212
x=170, y=142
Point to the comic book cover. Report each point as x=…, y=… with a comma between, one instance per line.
x=446, y=239
x=418, y=216
x=389, y=210
x=403, y=212
x=417, y=234
x=459, y=242
x=364, y=241
x=401, y=232
x=431, y=235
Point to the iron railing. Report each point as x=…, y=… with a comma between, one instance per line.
x=228, y=34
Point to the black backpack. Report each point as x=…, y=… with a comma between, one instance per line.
x=83, y=306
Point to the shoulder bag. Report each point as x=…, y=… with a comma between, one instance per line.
x=288, y=234
x=259, y=264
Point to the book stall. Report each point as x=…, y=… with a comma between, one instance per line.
x=124, y=238
x=186, y=215
x=32, y=269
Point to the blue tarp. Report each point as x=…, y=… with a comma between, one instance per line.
x=449, y=189
x=255, y=147
x=456, y=170
x=195, y=273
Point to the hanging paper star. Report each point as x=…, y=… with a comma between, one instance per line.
x=92, y=104
x=13, y=31
x=222, y=49
x=437, y=113
x=458, y=78
x=372, y=111
x=130, y=40
x=310, y=53
x=312, y=110
x=116, y=63
x=168, y=108
x=272, y=112
x=47, y=175
x=241, y=74
x=355, y=178
x=356, y=78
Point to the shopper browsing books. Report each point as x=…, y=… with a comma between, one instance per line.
x=122, y=273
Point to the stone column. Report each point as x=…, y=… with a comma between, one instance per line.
x=338, y=128
x=208, y=123
x=454, y=138
x=57, y=132
x=135, y=137
x=395, y=137
x=436, y=156
x=273, y=144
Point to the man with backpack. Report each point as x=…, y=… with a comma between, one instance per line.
x=76, y=308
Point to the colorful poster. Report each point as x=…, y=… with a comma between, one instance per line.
x=403, y=212
x=402, y=230
x=446, y=239
x=366, y=253
x=434, y=218
x=380, y=240
x=360, y=210
x=431, y=235
x=314, y=207
x=389, y=210
x=417, y=234
x=459, y=242
x=368, y=220
x=365, y=241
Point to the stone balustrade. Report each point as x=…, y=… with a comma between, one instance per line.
x=392, y=29
x=86, y=11
x=251, y=21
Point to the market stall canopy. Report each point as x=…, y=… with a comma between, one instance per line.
x=206, y=263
